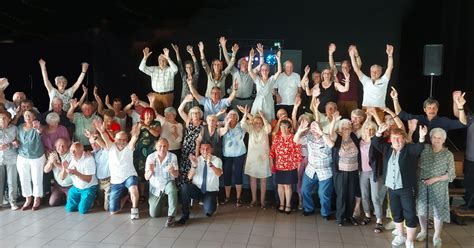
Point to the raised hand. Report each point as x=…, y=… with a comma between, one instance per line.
x=222, y=111
x=85, y=66
x=305, y=82
x=95, y=91
x=42, y=62
x=456, y=94
x=316, y=103
x=201, y=46
x=193, y=159
x=307, y=69
x=336, y=116
x=97, y=124
x=222, y=41
x=87, y=133
x=394, y=93
x=74, y=103
x=332, y=48
x=189, y=49
x=175, y=48
x=235, y=48
x=189, y=98
x=278, y=54
x=412, y=124
x=146, y=53
x=241, y=109
x=84, y=89
x=423, y=131
x=107, y=99
x=460, y=100
x=382, y=128
x=135, y=132
x=352, y=50
x=303, y=126
x=166, y=53
x=316, y=128
x=260, y=49
x=134, y=98
x=389, y=50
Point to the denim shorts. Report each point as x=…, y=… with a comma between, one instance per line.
x=117, y=190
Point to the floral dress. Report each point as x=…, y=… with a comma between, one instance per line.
x=189, y=147
x=145, y=146
x=433, y=164
x=258, y=162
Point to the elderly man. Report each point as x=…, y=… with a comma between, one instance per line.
x=241, y=74
x=214, y=104
x=204, y=175
x=8, y=156
x=57, y=107
x=60, y=190
x=83, y=120
x=287, y=87
x=122, y=172
x=375, y=86
x=162, y=79
x=161, y=171
x=81, y=169
x=347, y=101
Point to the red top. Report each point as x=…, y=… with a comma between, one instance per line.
x=115, y=127
x=352, y=94
x=287, y=154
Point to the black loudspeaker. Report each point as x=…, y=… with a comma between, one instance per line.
x=433, y=60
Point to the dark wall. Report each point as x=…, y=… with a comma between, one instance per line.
x=115, y=52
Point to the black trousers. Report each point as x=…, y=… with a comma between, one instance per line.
x=402, y=203
x=469, y=182
x=190, y=191
x=345, y=184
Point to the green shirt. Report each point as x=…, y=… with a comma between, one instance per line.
x=82, y=123
x=31, y=146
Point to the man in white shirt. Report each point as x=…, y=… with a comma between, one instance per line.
x=204, y=174
x=81, y=169
x=287, y=87
x=162, y=79
x=161, y=171
x=375, y=86
x=122, y=172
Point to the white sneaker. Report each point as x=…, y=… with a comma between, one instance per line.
x=390, y=225
x=421, y=236
x=399, y=240
x=437, y=242
x=395, y=232
x=409, y=244
x=134, y=214
x=13, y=207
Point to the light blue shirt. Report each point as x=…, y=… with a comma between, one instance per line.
x=211, y=108
x=101, y=159
x=161, y=177
x=31, y=146
x=393, y=180
x=233, y=142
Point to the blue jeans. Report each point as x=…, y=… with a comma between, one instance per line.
x=116, y=191
x=80, y=199
x=325, y=190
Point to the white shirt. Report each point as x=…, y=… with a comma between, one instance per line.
x=212, y=178
x=166, y=128
x=56, y=172
x=66, y=97
x=161, y=176
x=374, y=93
x=288, y=87
x=121, y=164
x=85, y=165
x=162, y=80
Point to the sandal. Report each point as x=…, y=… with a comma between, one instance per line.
x=252, y=204
x=378, y=228
x=238, y=203
x=365, y=220
x=287, y=210
x=263, y=206
x=281, y=209
x=226, y=200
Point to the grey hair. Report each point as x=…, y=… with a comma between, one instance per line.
x=52, y=117
x=233, y=112
x=196, y=109
x=430, y=101
x=342, y=123
x=170, y=110
x=56, y=79
x=440, y=131
x=368, y=124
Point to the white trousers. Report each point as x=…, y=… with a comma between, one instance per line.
x=31, y=175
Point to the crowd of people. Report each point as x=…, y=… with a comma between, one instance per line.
x=80, y=153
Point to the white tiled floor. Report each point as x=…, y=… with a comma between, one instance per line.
x=230, y=227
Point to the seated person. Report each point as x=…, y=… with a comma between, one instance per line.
x=60, y=189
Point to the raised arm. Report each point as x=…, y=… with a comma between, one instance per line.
x=456, y=94
x=294, y=112
x=279, y=69
x=173, y=67
x=331, y=50
x=100, y=104
x=84, y=95
x=235, y=88
x=182, y=113
x=389, y=51
x=134, y=133
x=231, y=63
x=332, y=128
x=190, y=50
x=395, y=117
x=305, y=81
x=77, y=84
x=396, y=104
x=460, y=101
x=182, y=71
x=100, y=128
x=194, y=92
x=205, y=66
x=339, y=87
x=252, y=74
x=261, y=60
x=352, y=54
x=223, y=43
x=142, y=67
x=70, y=113
x=44, y=73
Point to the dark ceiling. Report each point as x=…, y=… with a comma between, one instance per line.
x=26, y=20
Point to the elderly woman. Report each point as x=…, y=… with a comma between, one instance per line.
x=171, y=130
x=264, y=99
x=211, y=134
x=371, y=182
x=215, y=75
x=346, y=161
x=149, y=133
x=399, y=166
x=436, y=170
x=53, y=131
x=257, y=165
x=194, y=124
x=285, y=156
x=234, y=156
x=8, y=157
x=30, y=160
x=190, y=70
